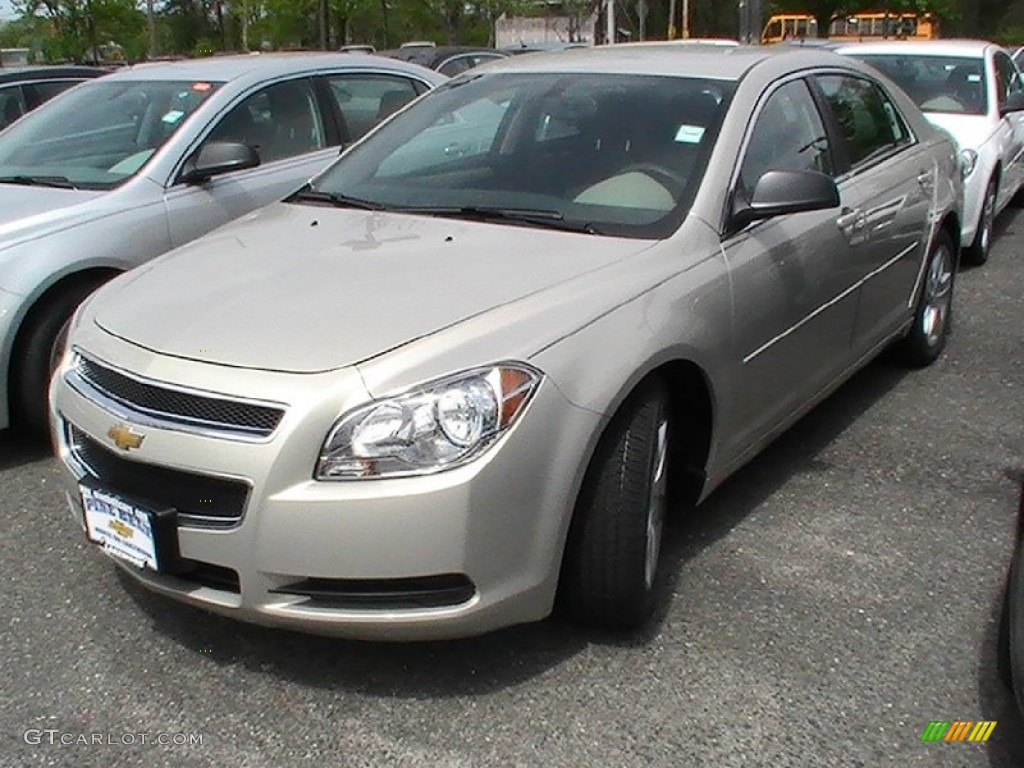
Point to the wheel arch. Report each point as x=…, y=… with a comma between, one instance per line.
x=20, y=322
x=691, y=403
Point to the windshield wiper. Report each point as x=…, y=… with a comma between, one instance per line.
x=534, y=217
x=60, y=182
x=333, y=198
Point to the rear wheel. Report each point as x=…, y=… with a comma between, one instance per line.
x=614, y=544
x=37, y=353
x=978, y=251
x=934, y=313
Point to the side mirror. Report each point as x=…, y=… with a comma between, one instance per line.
x=217, y=157
x=1014, y=103
x=781, y=192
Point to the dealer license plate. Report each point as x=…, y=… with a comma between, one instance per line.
x=122, y=528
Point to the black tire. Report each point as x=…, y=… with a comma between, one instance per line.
x=1014, y=618
x=610, y=568
x=933, y=315
x=35, y=356
x=1003, y=669
x=1011, y=652
x=977, y=252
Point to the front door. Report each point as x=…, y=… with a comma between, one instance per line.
x=792, y=276
x=283, y=123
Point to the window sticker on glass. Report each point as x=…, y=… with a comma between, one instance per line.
x=690, y=134
x=974, y=78
x=173, y=116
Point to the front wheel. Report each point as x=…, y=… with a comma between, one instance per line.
x=615, y=539
x=933, y=315
x=978, y=251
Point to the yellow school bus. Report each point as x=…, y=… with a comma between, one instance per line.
x=789, y=26
x=867, y=25
x=884, y=26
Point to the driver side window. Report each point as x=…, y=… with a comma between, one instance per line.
x=789, y=135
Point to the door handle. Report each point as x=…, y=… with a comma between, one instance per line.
x=851, y=219
x=925, y=178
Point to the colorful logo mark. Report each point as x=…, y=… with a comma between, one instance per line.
x=958, y=730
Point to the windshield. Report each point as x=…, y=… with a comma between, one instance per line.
x=98, y=135
x=937, y=83
x=605, y=154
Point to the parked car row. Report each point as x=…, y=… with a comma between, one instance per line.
x=458, y=376
x=973, y=90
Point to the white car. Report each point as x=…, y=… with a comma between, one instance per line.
x=973, y=90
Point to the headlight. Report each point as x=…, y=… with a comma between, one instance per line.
x=440, y=425
x=968, y=160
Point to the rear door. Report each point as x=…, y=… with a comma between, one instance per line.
x=888, y=179
x=793, y=276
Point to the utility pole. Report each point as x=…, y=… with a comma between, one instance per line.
x=609, y=22
x=686, y=19
x=245, y=24
x=151, y=21
x=322, y=13
x=672, y=20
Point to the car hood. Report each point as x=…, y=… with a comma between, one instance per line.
x=969, y=131
x=304, y=289
x=25, y=211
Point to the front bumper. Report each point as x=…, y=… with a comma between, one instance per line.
x=479, y=547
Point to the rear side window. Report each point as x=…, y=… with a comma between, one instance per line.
x=870, y=124
x=365, y=100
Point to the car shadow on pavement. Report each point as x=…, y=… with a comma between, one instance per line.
x=17, y=449
x=508, y=657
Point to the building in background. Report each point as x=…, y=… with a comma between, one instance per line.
x=546, y=23
x=14, y=57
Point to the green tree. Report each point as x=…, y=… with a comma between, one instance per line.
x=79, y=27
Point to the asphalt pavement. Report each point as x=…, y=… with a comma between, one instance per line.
x=826, y=604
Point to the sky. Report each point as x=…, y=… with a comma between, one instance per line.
x=5, y=9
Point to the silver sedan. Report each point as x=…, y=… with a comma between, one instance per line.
x=126, y=167
x=462, y=375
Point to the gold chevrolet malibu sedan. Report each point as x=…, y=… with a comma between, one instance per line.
x=460, y=377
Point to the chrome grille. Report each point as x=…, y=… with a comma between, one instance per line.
x=165, y=403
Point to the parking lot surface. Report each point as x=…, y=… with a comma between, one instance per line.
x=826, y=604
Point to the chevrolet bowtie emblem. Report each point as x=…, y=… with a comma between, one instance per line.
x=125, y=437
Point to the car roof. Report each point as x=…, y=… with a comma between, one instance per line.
x=432, y=55
x=920, y=47
x=17, y=74
x=665, y=58
x=227, y=68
